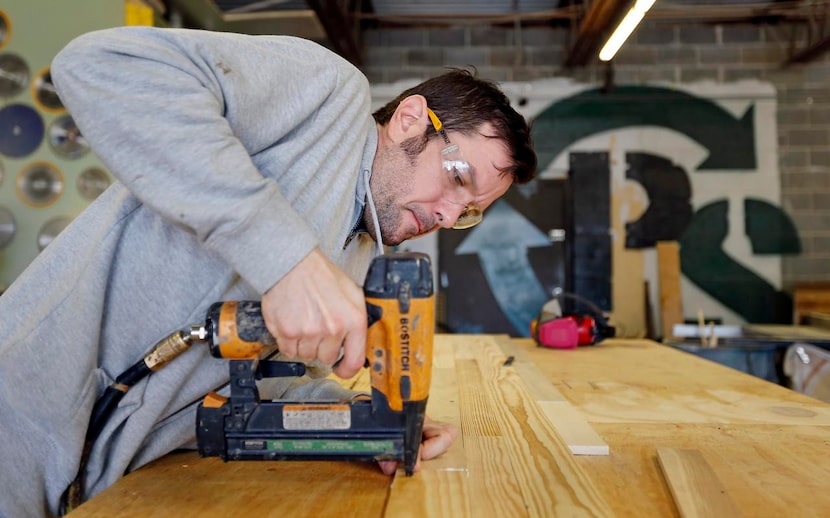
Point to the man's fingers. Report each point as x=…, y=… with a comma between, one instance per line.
x=354, y=354
x=307, y=349
x=388, y=466
x=438, y=437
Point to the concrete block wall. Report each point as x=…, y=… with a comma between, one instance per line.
x=662, y=52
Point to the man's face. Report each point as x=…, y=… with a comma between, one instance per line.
x=416, y=195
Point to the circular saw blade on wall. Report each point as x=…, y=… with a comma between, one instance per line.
x=14, y=74
x=50, y=230
x=92, y=182
x=66, y=139
x=44, y=93
x=21, y=130
x=39, y=184
x=8, y=227
x=5, y=28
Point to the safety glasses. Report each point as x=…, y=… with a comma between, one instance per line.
x=457, y=172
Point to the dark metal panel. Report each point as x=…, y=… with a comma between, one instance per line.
x=590, y=178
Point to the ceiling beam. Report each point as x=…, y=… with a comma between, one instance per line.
x=816, y=31
x=339, y=25
x=601, y=17
x=809, y=53
x=205, y=14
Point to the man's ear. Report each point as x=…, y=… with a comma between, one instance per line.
x=409, y=119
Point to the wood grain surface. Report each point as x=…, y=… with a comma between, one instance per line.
x=697, y=491
x=768, y=446
x=508, y=461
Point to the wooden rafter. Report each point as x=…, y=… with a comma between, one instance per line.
x=817, y=26
x=337, y=20
x=600, y=18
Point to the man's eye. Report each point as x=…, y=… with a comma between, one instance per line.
x=459, y=180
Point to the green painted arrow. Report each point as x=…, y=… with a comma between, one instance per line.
x=704, y=262
x=730, y=141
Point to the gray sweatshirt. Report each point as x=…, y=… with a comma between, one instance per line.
x=235, y=156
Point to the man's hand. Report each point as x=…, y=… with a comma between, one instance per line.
x=314, y=310
x=437, y=438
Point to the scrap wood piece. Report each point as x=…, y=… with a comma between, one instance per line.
x=575, y=431
x=550, y=480
x=565, y=418
x=696, y=489
x=668, y=272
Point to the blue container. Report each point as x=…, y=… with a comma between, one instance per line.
x=761, y=360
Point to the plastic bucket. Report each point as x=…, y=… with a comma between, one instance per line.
x=760, y=360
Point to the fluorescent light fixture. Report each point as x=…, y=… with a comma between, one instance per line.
x=625, y=28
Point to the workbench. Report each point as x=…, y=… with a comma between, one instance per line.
x=668, y=431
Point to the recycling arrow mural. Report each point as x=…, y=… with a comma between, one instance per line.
x=705, y=263
x=691, y=193
x=729, y=140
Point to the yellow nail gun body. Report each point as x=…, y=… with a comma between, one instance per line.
x=399, y=301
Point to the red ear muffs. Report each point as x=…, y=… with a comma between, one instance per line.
x=569, y=331
x=559, y=333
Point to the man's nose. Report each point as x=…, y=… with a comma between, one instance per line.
x=448, y=213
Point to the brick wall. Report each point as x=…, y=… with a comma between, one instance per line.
x=658, y=52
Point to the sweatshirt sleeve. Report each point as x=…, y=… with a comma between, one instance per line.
x=181, y=117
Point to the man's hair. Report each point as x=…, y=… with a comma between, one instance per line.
x=463, y=103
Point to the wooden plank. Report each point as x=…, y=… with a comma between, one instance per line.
x=810, y=298
x=640, y=381
x=443, y=406
x=668, y=273
x=628, y=296
x=696, y=489
x=429, y=493
x=551, y=483
x=184, y=485
x=764, y=442
x=802, y=332
x=538, y=385
x=573, y=428
x=769, y=470
x=569, y=423
x=637, y=394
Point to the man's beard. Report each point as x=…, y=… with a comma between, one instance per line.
x=388, y=221
x=387, y=191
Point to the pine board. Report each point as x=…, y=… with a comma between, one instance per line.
x=507, y=461
x=696, y=489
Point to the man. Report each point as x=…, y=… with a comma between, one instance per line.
x=248, y=167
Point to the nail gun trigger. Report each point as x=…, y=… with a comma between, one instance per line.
x=374, y=313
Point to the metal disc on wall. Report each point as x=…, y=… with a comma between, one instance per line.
x=5, y=28
x=7, y=227
x=44, y=93
x=39, y=184
x=66, y=139
x=50, y=230
x=21, y=130
x=14, y=74
x=92, y=182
